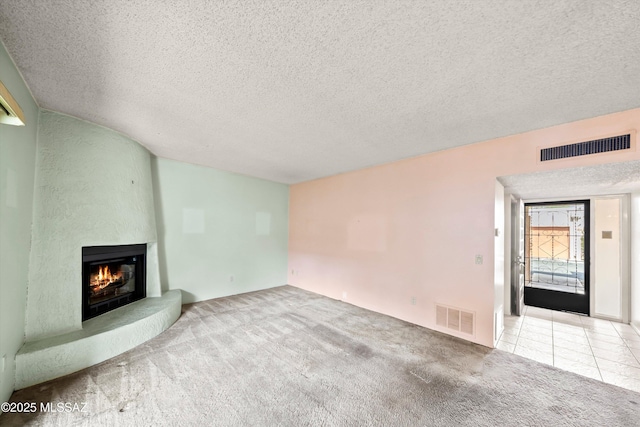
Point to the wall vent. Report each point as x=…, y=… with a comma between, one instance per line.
x=614, y=143
x=452, y=319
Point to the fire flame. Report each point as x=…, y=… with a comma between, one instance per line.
x=104, y=278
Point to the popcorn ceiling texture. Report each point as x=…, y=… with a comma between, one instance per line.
x=610, y=178
x=93, y=187
x=294, y=90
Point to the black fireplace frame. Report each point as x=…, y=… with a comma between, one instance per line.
x=91, y=254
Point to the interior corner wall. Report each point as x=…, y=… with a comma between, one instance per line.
x=635, y=259
x=17, y=171
x=219, y=233
x=402, y=237
x=93, y=187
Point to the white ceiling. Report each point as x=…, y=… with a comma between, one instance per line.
x=612, y=178
x=293, y=90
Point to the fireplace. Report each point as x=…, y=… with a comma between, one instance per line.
x=112, y=276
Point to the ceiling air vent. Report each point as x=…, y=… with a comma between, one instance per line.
x=10, y=111
x=615, y=143
x=451, y=319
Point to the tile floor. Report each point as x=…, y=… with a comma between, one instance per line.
x=600, y=349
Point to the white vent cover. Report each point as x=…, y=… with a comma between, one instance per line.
x=452, y=319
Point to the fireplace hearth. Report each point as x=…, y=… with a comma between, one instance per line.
x=112, y=277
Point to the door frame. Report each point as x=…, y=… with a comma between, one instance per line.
x=625, y=257
x=516, y=255
x=626, y=247
x=559, y=300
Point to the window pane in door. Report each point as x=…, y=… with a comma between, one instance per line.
x=554, y=247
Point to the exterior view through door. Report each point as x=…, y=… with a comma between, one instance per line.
x=557, y=255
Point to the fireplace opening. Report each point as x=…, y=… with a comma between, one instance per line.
x=112, y=276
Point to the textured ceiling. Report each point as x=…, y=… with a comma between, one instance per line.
x=612, y=178
x=295, y=90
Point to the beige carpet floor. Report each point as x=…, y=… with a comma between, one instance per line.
x=289, y=357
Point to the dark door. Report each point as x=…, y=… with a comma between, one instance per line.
x=557, y=255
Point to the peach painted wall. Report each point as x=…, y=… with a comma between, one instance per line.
x=379, y=237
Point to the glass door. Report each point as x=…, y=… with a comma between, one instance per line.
x=557, y=255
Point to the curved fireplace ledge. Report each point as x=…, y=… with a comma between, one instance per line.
x=101, y=338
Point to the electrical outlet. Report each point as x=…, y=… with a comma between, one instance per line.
x=344, y=296
x=293, y=272
x=413, y=300
x=232, y=278
x=479, y=259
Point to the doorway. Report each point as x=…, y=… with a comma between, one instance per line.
x=556, y=255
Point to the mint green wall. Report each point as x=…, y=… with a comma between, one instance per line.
x=93, y=188
x=213, y=225
x=17, y=170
